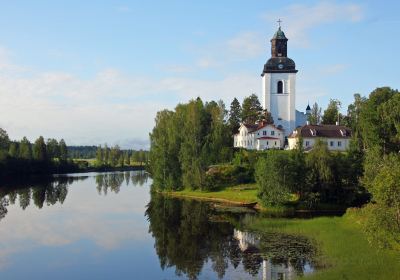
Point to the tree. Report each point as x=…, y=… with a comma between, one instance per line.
x=39, y=149
x=4, y=143
x=25, y=149
x=127, y=158
x=315, y=115
x=331, y=114
x=251, y=109
x=353, y=113
x=53, y=149
x=63, y=150
x=13, y=150
x=99, y=156
x=115, y=154
x=382, y=179
x=319, y=164
x=377, y=127
x=272, y=174
x=235, y=114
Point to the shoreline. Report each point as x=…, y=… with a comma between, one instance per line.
x=208, y=196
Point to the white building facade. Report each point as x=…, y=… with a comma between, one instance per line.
x=259, y=137
x=279, y=85
x=337, y=137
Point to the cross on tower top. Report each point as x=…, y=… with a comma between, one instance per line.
x=279, y=22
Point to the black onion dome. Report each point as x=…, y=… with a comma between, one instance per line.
x=279, y=64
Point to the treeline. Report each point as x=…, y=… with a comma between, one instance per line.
x=184, y=142
x=41, y=157
x=115, y=157
x=82, y=152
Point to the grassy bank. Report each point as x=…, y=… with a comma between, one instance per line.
x=344, y=250
x=240, y=194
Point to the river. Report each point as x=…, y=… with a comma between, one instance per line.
x=109, y=226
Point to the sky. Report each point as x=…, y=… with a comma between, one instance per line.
x=95, y=72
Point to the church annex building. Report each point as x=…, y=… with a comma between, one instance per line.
x=278, y=98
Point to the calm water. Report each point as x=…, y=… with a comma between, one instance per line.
x=108, y=226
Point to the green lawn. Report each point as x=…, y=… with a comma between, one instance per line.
x=241, y=194
x=343, y=248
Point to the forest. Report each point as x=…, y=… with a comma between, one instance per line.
x=45, y=157
x=191, y=148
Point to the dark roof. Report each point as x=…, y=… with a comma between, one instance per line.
x=327, y=131
x=251, y=127
x=272, y=65
x=279, y=34
x=262, y=125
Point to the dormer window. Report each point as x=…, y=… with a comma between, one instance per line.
x=343, y=132
x=313, y=132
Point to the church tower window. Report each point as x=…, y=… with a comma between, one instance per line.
x=280, y=87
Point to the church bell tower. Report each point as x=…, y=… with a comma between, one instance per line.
x=279, y=84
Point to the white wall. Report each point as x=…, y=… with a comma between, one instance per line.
x=311, y=142
x=244, y=139
x=282, y=106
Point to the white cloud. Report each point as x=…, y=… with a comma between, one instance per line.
x=110, y=107
x=299, y=19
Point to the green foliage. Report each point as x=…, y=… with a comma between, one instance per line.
x=39, y=149
x=331, y=114
x=315, y=115
x=115, y=157
x=25, y=149
x=13, y=150
x=186, y=141
x=53, y=149
x=235, y=114
x=273, y=179
x=63, y=150
x=218, y=176
x=377, y=125
x=251, y=109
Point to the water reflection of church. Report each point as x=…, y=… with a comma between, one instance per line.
x=271, y=271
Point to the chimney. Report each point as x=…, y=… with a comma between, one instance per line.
x=308, y=122
x=337, y=123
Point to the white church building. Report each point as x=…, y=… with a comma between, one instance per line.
x=279, y=98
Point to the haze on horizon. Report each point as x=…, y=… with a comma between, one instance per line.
x=93, y=74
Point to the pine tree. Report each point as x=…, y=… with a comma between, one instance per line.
x=235, y=114
x=251, y=109
x=63, y=150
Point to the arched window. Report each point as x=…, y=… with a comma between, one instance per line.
x=280, y=87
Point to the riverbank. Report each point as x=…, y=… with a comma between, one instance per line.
x=240, y=195
x=343, y=248
x=246, y=195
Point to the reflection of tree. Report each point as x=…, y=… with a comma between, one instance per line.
x=112, y=181
x=49, y=191
x=188, y=234
x=3, y=207
x=185, y=237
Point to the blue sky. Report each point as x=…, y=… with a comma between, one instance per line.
x=98, y=71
